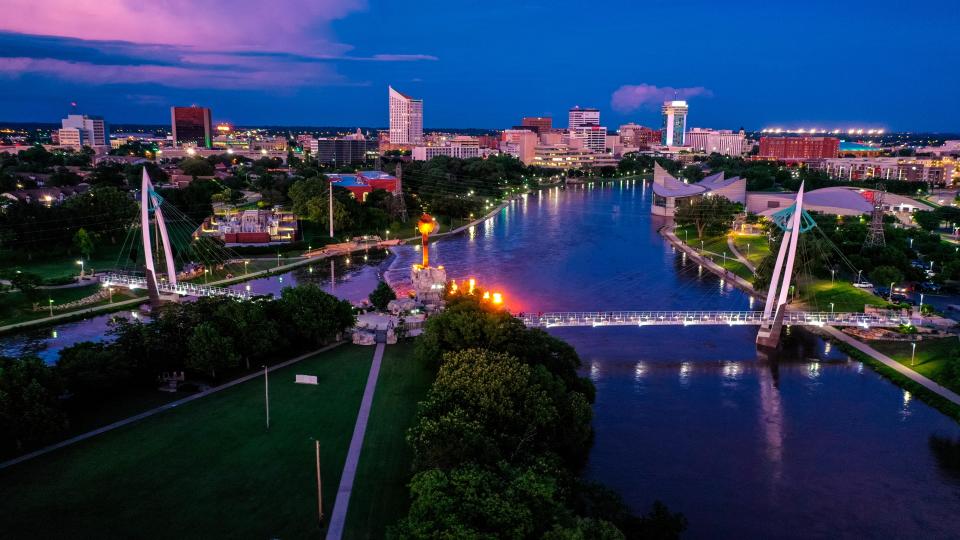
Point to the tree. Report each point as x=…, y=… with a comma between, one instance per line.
x=314, y=316
x=29, y=407
x=927, y=221
x=382, y=295
x=83, y=242
x=884, y=275
x=27, y=283
x=710, y=213
x=196, y=167
x=93, y=369
x=208, y=350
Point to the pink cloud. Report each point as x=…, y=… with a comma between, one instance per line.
x=267, y=76
x=225, y=25
x=631, y=97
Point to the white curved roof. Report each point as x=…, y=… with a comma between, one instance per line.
x=666, y=185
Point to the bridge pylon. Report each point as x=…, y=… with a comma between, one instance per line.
x=150, y=202
x=792, y=220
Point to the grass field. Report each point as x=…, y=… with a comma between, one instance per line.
x=104, y=259
x=754, y=247
x=844, y=296
x=380, y=494
x=14, y=307
x=714, y=247
x=931, y=354
x=209, y=469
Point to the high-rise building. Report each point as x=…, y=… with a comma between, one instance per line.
x=406, y=118
x=538, y=123
x=191, y=126
x=593, y=138
x=79, y=130
x=579, y=117
x=712, y=141
x=520, y=143
x=799, y=147
x=674, y=123
x=342, y=151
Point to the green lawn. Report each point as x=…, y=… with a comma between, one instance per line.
x=714, y=247
x=208, y=469
x=752, y=246
x=105, y=258
x=14, y=307
x=931, y=354
x=380, y=494
x=844, y=296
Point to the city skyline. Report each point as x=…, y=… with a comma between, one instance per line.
x=477, y=68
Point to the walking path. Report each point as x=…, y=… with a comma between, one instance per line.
x=893, y=364
x=738, y=281
x=160, y=409
x=743, y=260
x=339, y=516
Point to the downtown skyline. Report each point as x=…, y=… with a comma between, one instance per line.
x=329, y=63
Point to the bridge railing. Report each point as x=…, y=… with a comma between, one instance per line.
x=732, y=318
x=181, y=288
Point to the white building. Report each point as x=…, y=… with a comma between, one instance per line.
x=458, y=147
x=593, y=138
x=579, y=117
x=674, y=123
x=406, y=119
x=520, y=143
x=79, y=130
x=722, y=141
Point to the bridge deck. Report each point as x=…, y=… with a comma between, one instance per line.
x=181, y=288
x=700, y=318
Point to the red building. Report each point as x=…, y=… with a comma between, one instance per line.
x=364, y=182
x=796, y=148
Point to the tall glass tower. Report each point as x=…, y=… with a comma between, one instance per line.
x=674, y=123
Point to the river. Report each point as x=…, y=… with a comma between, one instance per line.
x=805, y=443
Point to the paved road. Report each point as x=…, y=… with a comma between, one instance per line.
x=157, y=410
x=338, y=518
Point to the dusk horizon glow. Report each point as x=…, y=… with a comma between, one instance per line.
x=329, y=62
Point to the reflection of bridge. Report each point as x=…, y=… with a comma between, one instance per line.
x=179, y=288
x=702, y=318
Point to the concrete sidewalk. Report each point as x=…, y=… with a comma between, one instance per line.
x=338, y=518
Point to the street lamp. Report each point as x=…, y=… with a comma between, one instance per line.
x=831, y=308
x=388, y=234
x=858, y=275
x=278, y=259
x=205, y=272
x=245, y=263
x=833, y=273
x=51, y=306
x=891, y=290
x=111, y=294
x=921, y=302
x=913, y=352
x=80, y=262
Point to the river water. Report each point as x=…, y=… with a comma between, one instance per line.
x=805, y=443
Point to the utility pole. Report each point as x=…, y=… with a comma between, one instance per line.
x=319, y=486
x=875, y=232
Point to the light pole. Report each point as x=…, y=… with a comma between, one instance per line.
x=50, y=301
x=833, y=273
x=831, y=308
x=278, y=259
x=388, y=234
x=921, y=303
x=245, y=263
x=891, y=290
x=266, y=394
x=205, y=272
x=858, y=275
x=913, y=352
x=80, y=262
x=111, y=294
x=319, y=484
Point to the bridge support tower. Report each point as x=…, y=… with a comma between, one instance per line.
x=150, y=202
x=792, y=221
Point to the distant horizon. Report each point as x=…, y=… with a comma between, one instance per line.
x=329, y=62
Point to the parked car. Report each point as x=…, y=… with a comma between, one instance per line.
x=929, y=286
x=863, y=285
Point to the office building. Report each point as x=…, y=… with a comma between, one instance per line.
x=520, y=143
x=406, y=119
x=562, y=156
x=593, y=138
x=799, y=148
x=460, y=147
x=342, y=151
x=713, y=141
x=539, y=124
x=936, y=171
x=637, y=136
x=579, y=117
x=191, y=126
x=79, y=130
x=674, y=123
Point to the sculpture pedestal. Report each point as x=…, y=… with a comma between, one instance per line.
x=429, y=283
